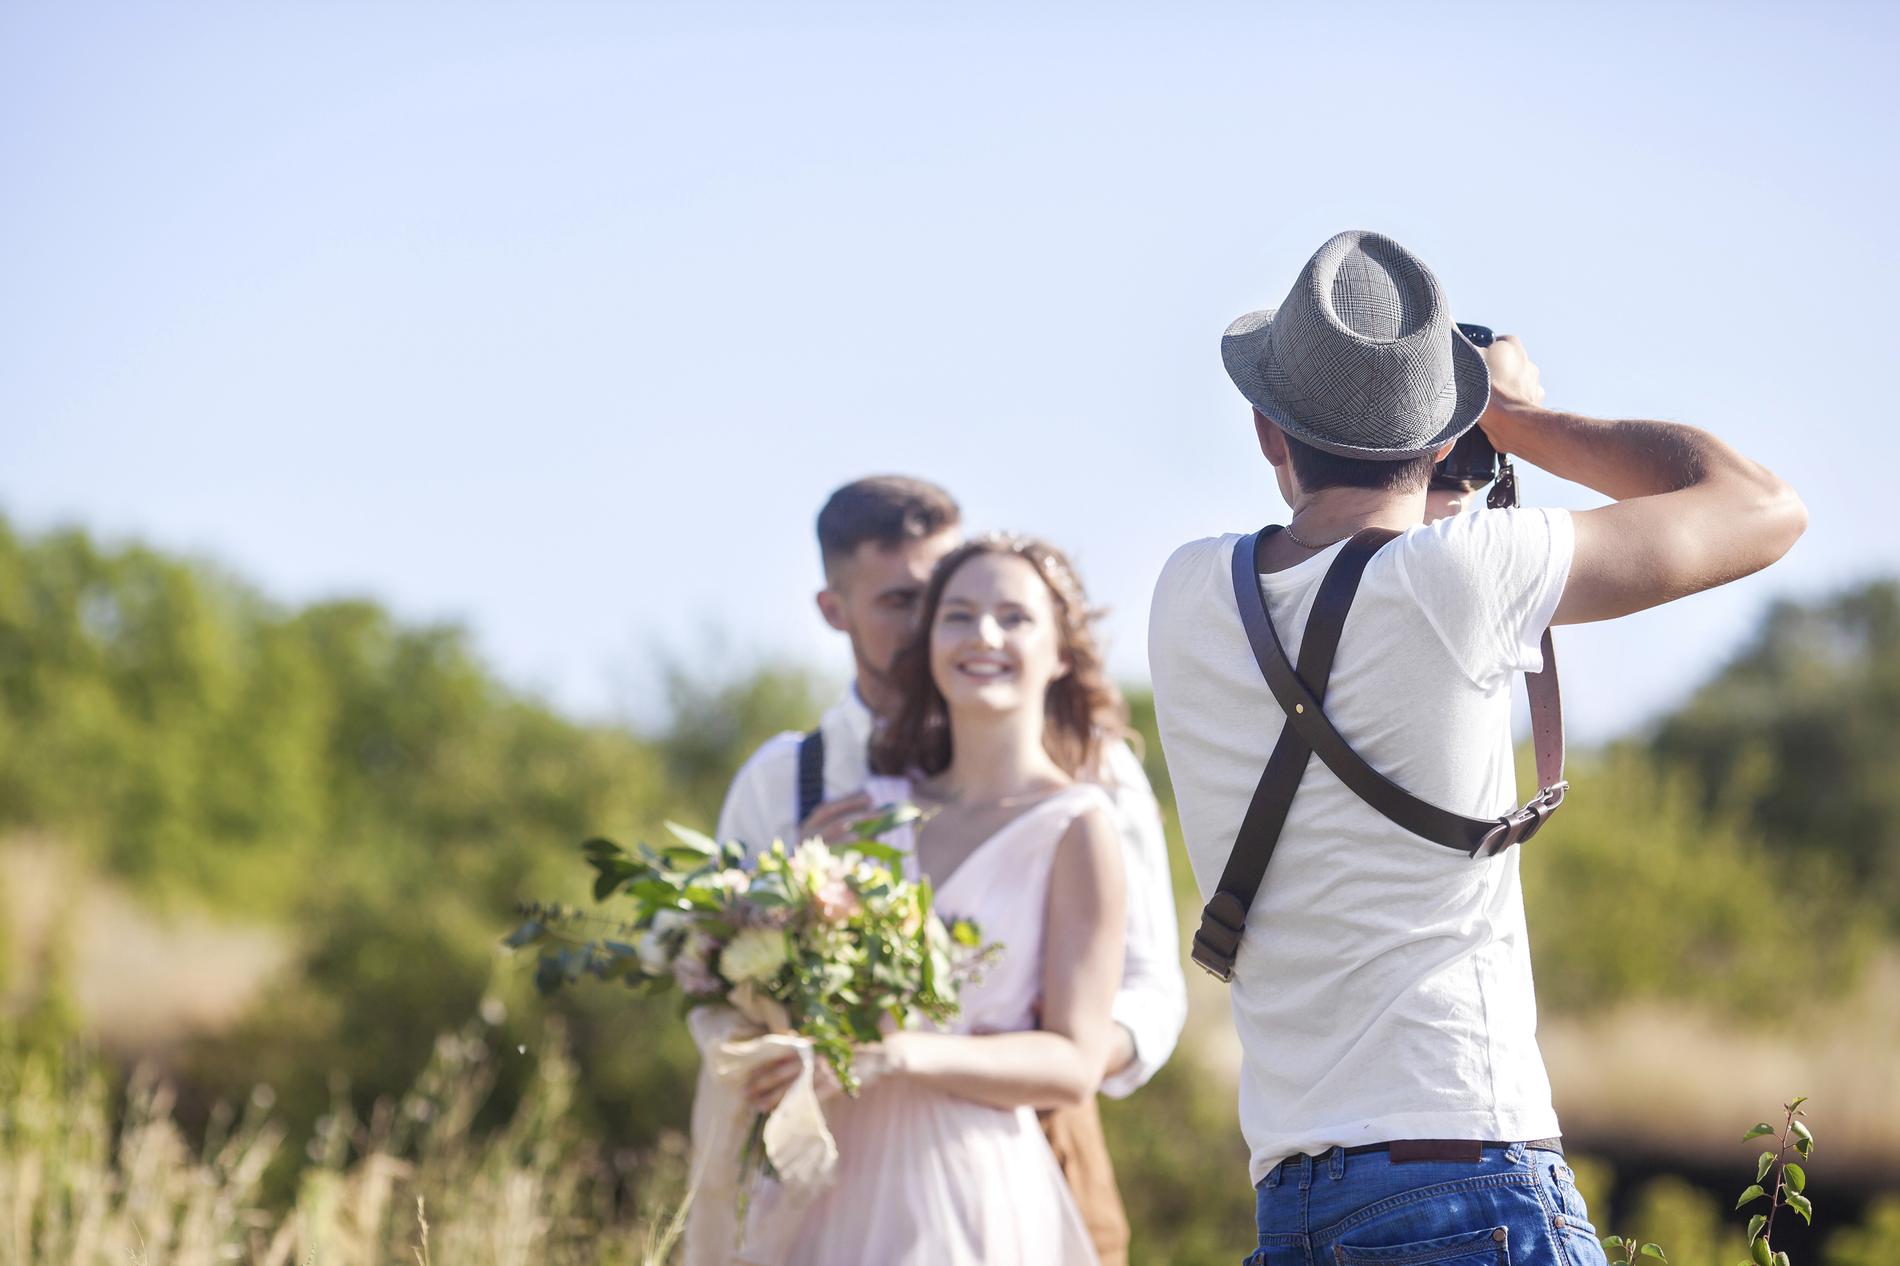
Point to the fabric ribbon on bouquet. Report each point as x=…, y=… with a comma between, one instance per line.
x=733, y=1042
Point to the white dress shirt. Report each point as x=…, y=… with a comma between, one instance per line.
x=762, y=805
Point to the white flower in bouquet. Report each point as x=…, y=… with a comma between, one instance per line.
x=661, y=941
x=755, y=954
x=815, y=865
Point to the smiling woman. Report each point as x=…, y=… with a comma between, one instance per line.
x=973, y=634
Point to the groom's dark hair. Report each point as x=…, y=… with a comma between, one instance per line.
x=1318, y=469
x=888, y=509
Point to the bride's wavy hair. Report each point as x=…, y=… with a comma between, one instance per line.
x=1082, y=710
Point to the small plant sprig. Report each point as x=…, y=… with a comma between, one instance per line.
x=1791, y=1179
x=1788, y=1191
x=1624, y=1252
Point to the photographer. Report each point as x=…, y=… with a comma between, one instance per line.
x=1393, y=1098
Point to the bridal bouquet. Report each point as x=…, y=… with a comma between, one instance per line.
x=819, y=942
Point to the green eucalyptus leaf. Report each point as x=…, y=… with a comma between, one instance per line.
x=876, y=851
x=1798, y=1101
x=1805, y=1147
x=1801, y=1205
x=1613, y=1243
x=527, y=934
x=1760, y=1251
x=697, y=842
x=1803, y=1133
x=1761, y=1128
x=1762, y=1166
x=1654, y=1250
x=1756, y=1223
x=1797, y=1176
x=1781, y=1259
x=1754, y=1192
x=888, y=818
x=703, y=899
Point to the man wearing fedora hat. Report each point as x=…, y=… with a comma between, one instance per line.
x=1393, y=1098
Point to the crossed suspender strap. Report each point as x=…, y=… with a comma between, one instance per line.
x=811, y=773
x=1301, y=695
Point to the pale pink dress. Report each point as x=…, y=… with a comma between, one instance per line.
x=925, y=1177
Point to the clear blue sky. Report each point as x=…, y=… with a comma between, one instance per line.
x=560, y=320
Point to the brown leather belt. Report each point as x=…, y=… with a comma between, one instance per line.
x=1406, y=1151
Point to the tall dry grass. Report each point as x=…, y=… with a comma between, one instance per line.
x=85, y=1180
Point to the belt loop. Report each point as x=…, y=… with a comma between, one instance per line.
x=1306, y=1173
x=1273, y=1175
x=1515, y=1154
x=1337, y=1163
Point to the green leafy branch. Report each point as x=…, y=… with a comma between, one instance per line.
x=1788, y=1191
x=1791, y=1180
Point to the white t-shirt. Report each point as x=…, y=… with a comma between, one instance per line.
x=1383, y=987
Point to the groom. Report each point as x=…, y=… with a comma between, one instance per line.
x=878, y=539
x=1392, y=1093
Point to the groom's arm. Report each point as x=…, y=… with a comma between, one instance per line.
x=763, y=797
x=1151, y=1005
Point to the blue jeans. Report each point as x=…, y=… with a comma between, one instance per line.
x=1511, y=1207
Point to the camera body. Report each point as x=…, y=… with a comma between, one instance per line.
x=1472, y=462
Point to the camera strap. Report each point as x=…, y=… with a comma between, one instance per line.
x=1301, y=694
x=811, y=774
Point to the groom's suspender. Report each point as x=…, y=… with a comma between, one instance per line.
x=1307, y=731
x=811, y=773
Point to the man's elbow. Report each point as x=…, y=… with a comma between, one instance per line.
x=1782, y=517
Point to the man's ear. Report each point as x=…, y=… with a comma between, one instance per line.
x=831, y=606
x=1444, y=451
x=1272, y=439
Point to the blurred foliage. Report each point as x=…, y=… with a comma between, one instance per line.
x=1875, y=1242
x=1800, y=735
x=1634, y=891
x=374, y=790
x=369, y=786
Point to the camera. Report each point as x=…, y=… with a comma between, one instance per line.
x=1472, y=462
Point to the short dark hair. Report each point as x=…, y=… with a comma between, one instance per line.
x=1318, y=469
x=888, y=509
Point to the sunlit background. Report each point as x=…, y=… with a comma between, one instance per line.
x=412, y=418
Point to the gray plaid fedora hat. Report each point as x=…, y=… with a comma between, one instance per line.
x=1362, y=359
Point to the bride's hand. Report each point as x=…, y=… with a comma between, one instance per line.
x=871, y=1063
x=769, y=1082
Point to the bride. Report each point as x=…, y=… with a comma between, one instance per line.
x=1005, y=707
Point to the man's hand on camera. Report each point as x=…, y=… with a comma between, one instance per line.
x=1514, y=384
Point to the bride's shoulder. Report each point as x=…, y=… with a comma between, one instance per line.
x=1089, y=814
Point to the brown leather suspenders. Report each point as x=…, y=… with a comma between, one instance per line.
x=1308, y=732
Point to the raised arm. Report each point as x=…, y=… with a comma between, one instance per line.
x=1690, y=512
x=1061, y=1063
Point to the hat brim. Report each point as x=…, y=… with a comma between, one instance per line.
x=1246, y=351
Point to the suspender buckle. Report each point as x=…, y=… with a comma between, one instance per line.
x=1520, y=824
x=1218, y=940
